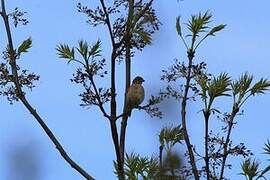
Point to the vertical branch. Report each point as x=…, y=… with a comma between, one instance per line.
x=131, y=22
x=161, y=161
x=206, y=113
x=225, y=147
x=113, y=104
x=206, y=158
x=21, y=96
x=183, y=117
x=127, y=39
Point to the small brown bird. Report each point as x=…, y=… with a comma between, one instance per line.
x=135, y=94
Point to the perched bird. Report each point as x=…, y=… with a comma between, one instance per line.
x=135, y=94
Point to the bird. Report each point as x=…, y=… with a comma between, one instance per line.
x=135, y=94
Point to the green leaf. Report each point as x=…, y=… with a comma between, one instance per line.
x=145, y=36
x=83, y=49
x=267, y=147
x=178, y=26
x=250, y=168
x=26, y=44
x=95, y=49
x=242, y=85
x=260, y=87
x=202, y=80
x=64, y=51
x=267, y=169
x=216, y=29
x=219, y=86
x=199, y=23
x=171, y=135
x=142, y=34
x=140, y=167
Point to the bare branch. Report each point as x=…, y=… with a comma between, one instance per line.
x=108, y=22
x=100, y=105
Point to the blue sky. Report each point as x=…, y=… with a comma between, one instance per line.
x=85, y=134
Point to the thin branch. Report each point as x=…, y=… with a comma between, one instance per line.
x=108, y=22
x=225, y=150
x=206, y=114
x=75, y=60
x=201, y=41
x=161, y=161
x=23, y=99
x=244, y=100
x=206, y=158
x=120, y=169
x=183, y=117
x=127, y=38
x=100, y=105
x=139, y=107
x=184, y=41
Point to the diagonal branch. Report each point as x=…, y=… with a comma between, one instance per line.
x=108, y=22
x=100, y=104
x=23, y=99
x=234, y=112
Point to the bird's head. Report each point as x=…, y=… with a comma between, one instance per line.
x=138, y=80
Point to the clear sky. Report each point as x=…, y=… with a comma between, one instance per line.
x=85, y=134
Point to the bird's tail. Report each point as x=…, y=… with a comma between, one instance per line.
x=129, y=112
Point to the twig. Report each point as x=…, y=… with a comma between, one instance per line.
x=100, y=105
x=108, y=22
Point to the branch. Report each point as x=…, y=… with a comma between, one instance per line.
x=183, y=117
x=127, y=39
x=206, y=135
x=225, y=150
x=23, y=99
x=113, y=104
x=100, y=105
x=139, y=107
x=108, y=22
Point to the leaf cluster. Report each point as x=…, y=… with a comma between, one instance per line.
x=26, y=79
x=242, y=88
x=90, y=57
x=138, y=167
x=138, y=32
x=91, y=65
x=169, y=136
x=7, y=87
x=198, y=24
